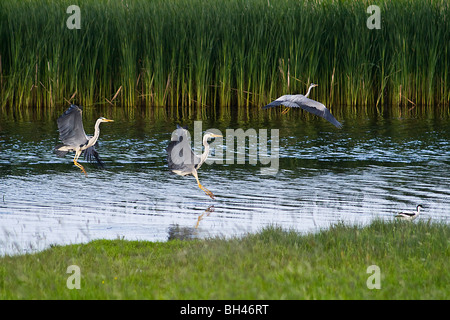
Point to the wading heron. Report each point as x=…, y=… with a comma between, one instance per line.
x=74, y=139
x=182, y=160
x=302, y=101
x=409, y=215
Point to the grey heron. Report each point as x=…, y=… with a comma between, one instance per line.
x=409, y=215
x=74, y=139
x=302, y=101
x=182, y=160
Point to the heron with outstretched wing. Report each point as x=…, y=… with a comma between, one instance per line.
x=310, y=105
x=182, y=160
x=74, y=139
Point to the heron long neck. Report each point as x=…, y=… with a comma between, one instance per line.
x=206, y=151
x=309, y=90
x=94, y=139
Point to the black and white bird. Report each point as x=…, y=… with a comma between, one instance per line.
x=409, y=215
x=302, y=101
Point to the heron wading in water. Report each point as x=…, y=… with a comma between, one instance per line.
x=310, y=105
x=409, y=215
x=182, y=160
x=74, y=139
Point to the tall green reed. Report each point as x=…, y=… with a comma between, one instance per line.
x=237, y=52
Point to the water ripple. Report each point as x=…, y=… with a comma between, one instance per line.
x=353, y=175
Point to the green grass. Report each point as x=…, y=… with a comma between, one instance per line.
x=273, y=264
x=244, y=52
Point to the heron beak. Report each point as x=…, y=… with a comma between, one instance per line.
x=109, y=120
x=216, y=136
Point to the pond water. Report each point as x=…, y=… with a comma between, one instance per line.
x=372, y=168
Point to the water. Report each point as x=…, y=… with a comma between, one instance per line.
x=372, y=168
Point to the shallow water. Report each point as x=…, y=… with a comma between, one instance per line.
x=372, y=168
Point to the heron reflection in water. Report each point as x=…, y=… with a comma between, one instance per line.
x=207, y=212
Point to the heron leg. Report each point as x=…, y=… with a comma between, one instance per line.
x=209, y=193
x=75, y=162
x=286, y=110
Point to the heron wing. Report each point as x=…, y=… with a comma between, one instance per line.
x=180, y=156
x=91, y=155
x=70, y=126
x=285, y=100
x=60, y=153
x=312, y=106
x=316, y=108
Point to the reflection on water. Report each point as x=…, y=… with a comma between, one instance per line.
x=372, y=168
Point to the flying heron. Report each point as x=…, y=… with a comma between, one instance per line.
x=409, y=215
x=182, y=160
x=302, y=101
x=74, y=139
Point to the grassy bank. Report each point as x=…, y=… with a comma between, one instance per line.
x=196, y=52
x=273, y=264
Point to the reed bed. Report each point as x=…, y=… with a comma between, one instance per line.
x=234, y=52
